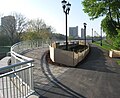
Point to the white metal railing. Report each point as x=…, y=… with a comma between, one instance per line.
x=16, y=80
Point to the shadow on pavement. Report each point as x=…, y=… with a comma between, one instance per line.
x=97, y=60
x=58, y=89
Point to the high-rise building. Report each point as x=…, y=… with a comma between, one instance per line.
x=73, y=31
x=8, y=24
x=82, y=33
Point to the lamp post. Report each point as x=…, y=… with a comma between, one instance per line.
x=85, y=32
x=66, y=8
x=92, y=35
x=101, y=36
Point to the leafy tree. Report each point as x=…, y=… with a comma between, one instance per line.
x=4, y=41
x=71, y=38
x=107, y=8
x=57, y=36
x=109, y=26
x=116, y=42
x=97, y=8
x=30, y=36
x=37, y=29
x=88, y=36
x=111, y=10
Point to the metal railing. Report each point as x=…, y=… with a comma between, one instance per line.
x=16, y=80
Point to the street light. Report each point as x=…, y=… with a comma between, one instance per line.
x=66, y=8
x=101, y=36
x=85, y=32
x=92, y=35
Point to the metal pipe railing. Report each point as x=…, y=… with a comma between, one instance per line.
x=16, y=80
x=12, y=83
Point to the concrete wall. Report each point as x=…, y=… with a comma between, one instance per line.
x=67, y=58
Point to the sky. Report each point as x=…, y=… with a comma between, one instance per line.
x=51, y=12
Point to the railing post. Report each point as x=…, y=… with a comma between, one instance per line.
x=73, y=57
x=42, y=43
x=31, y=77
x=17, y=57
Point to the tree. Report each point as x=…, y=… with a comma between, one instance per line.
x=4, y=41
x=111, y=10
x=39, y=29
x=57, y=36
x=13, y=26
x=97, y=8
x=36, y=25
x=71, y=38
x=109, y=26
x=30, y=36
x=21, y=24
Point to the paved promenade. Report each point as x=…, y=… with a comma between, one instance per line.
x=98, y=76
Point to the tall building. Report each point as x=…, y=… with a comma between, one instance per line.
x=82, y=33
x=73, y=31
x=8, y=24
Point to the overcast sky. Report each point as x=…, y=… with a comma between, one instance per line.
x=52, y=13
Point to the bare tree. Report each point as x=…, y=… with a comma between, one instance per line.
x=13, y=26
x=21, y=24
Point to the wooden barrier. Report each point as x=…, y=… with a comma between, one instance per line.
x=114, y=53
x=68, y=58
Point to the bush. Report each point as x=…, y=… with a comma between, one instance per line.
x=4, y=41
x=116, y=41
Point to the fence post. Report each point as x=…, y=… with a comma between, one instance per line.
x=73, y=57
x=31, y=77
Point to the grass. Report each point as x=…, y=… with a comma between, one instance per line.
x=106, y=46
x=118, y=62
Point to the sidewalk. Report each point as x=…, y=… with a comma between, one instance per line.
x=99, y=60
x=96, y=77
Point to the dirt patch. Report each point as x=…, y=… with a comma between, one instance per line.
x=78, y=48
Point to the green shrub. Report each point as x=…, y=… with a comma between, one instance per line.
x=4, y=41
x=116, y=41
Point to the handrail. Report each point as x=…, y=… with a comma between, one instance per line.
x=20, y=56
x=19, y=74
x=15, y=65
x=14, y=71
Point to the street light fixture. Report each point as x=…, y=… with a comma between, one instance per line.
x=85, y=32
x=92, y=35
x=101, y=36
x=66, y=8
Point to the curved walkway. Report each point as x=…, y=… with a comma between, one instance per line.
x=96, y=77
x=98, y=60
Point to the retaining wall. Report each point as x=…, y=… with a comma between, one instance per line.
x=68, y=58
